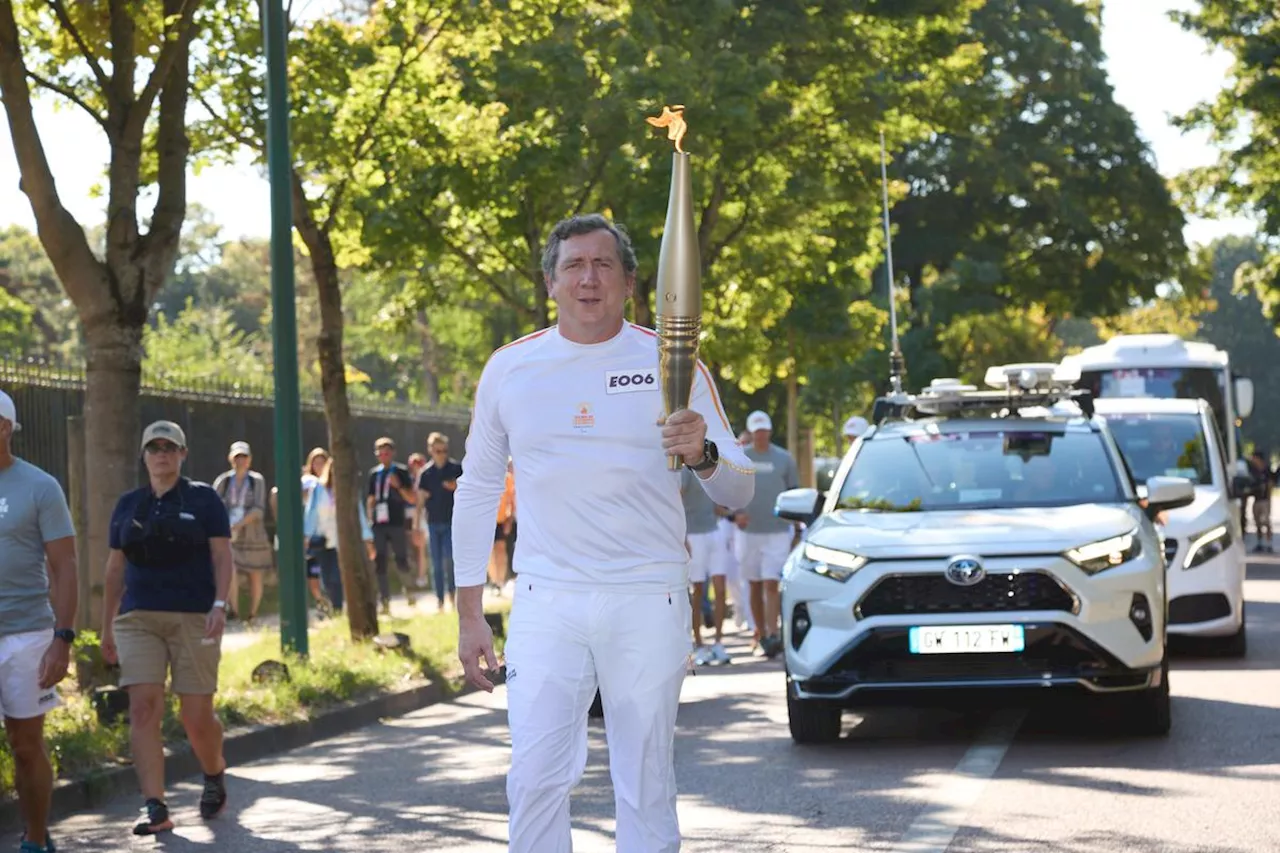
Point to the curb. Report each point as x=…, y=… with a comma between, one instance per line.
x=240, y=746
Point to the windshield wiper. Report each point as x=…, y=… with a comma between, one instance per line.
x=879, y=505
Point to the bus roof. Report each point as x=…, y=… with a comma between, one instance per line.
x=1147, y=351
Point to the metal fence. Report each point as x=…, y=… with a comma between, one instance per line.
x=213, y=414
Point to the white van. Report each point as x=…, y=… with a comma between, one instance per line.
x=1203, y=543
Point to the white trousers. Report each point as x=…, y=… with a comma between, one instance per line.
x=561, y=646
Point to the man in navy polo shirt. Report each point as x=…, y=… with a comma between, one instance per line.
x=168, y=574
x=436, y=484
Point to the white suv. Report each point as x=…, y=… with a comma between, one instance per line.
x=979, y=540
x=1203, y=543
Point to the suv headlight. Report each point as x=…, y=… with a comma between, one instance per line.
x=828, y=562
x=1106, y=554
x=1207, y=545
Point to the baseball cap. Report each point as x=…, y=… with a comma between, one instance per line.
x=8, y=411
x=167, y=430
x=239, y=448
x=758, y=420
x=855, y=426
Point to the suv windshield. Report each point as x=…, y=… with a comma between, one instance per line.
x=985, y=467
x=1165, y=445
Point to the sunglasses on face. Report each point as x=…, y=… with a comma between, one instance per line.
x=157, y=447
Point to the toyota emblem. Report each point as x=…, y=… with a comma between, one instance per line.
x=965, y=571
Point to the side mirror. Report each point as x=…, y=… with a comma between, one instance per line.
x=1244, y=396
x=1165, y=493
x=798, y=505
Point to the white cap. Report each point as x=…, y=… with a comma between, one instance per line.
x=855, y=426
x=167, y=430
x=8, y=411
x=758, y=420
x=239, y=448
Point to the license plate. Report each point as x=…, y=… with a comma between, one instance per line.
x=966, y=639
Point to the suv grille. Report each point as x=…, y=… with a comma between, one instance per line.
x=904, y=594
x=1170, y=550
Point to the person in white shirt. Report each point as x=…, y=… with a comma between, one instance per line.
x=601, y=597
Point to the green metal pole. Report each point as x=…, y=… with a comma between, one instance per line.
x=288, y=420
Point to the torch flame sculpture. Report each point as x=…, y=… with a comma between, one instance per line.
x=679, y=311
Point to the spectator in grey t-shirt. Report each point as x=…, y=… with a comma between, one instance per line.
x=707, y=561
x=37, y=551
x=765, y=540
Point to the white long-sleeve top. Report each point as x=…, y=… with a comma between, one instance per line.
x=598, y=506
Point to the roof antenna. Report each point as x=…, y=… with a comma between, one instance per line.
x=892, y=404
x=897, y=365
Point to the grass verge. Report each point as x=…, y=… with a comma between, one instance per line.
x=337, y=671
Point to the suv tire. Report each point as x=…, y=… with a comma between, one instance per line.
x=813, y=721
x=1148, y=713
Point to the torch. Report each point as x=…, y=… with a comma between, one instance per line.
x=679, y=311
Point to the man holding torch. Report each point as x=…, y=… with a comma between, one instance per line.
x=601, y=598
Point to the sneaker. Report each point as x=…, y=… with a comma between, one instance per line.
x=155, y=818
x=772, y=646
x=214, y=796
x=32, y=847
x=719, y=654
x=702, y=656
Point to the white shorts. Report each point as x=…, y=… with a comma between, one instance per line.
x=761, y=555
x=20, y=695
x=706, y=556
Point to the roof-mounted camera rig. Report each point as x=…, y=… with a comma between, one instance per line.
x=1017, y=388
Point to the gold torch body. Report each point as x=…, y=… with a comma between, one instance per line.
x=679, y=296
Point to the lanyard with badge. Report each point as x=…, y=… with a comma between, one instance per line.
x=381, y=510
x=237, y=511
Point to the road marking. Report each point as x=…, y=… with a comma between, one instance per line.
x=951, y=799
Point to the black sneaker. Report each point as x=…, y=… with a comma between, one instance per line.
x=214, y=797
x=155, y=818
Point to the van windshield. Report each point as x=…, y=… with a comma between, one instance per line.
x=1168, y=383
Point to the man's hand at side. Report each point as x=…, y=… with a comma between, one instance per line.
x=475, y=645
x=54, y=664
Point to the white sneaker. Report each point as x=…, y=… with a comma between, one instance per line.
x=702, y=656
x=719, y=655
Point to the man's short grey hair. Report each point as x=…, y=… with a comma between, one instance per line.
x=585, y=224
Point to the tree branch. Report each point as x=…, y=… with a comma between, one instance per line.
x=489, y=278
x=592, y=182
x=172, y=150
x=61, y=235
x=98, y=74
x=70, y=96
x=225, y=126
x=176, y=42
x=366, y=135
x=713, y=254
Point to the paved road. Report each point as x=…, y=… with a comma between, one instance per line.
x=997, y=779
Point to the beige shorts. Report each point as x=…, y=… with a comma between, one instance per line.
x=153, y=643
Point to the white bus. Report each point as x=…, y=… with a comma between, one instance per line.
x=1166, y=366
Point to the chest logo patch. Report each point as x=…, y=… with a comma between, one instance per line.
x=629, y=381
x=583, y=419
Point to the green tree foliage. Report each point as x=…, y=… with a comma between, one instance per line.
x=1244, y=120
x=1238, y=323
x=1039, y=202
x=43, y=317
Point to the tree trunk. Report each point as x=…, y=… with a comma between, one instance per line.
x=430, y=359
x=113, y=351
x=357, y=575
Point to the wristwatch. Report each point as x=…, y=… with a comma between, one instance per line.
x=220, y=605
x=710, y=457
x=67, y=635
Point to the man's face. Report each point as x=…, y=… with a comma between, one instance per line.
x=440, y=453
x=761, y=437
x=385, y=453
x=163, y=458
x=589, y=285
x=6, y=432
